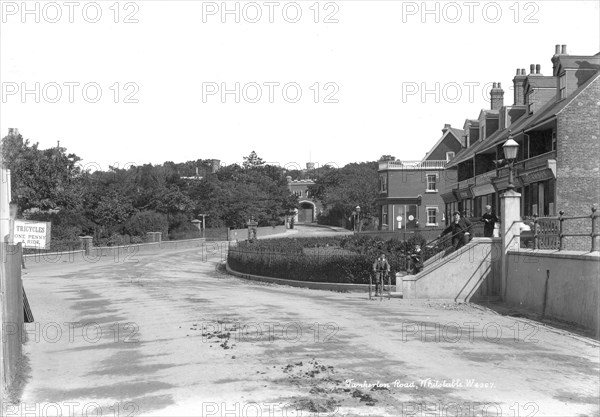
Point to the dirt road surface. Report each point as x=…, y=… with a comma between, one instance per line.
x=167, y=334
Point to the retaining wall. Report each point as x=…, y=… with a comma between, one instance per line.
x=561, y=285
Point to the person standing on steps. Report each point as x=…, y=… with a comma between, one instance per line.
x=489, y=219
x=459, y=230
x=381, y=268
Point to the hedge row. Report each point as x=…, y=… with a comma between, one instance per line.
x=348, y=260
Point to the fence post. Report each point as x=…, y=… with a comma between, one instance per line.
x=560, y=230
x=594, y=235
x=536, y=238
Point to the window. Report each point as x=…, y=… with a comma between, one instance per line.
x=382, y=183
x=432, y=216
x=298, y=193
x=450, y=155
x=563, y=85
x=384, y=215
x=431, y=183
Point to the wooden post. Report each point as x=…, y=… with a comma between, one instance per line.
x=560, y=230
x=594, y=234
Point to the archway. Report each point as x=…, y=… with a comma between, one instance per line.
x=306, y=212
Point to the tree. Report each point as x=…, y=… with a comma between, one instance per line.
x=341, y=190
x=252, y=161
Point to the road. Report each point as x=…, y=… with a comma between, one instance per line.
x=168, y=334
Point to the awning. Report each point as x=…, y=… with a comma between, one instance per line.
x=539, y=174
x=448, y=197
x=463, y=194
x=501, y=184
x=484, y=189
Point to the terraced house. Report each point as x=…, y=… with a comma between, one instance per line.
x=555, y=121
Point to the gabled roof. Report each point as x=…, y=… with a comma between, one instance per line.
x=457, y=134
x=547, y=112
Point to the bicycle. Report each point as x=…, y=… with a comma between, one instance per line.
x=386, y=277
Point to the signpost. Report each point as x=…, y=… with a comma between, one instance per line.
x=32, y=234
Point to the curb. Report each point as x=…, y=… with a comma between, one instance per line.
x=327, y=286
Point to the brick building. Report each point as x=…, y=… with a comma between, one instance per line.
x=410, y=191
x=554, y=119
x=309, y=208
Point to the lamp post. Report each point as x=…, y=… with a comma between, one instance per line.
x=357, y=222
x=510, y=153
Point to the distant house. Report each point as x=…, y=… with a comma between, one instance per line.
x=410, y=191
x=309, y=208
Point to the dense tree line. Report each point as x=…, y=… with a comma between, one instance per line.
x=81, y=199
x=53, y=185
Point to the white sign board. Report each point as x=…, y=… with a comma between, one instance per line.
x=32, y=234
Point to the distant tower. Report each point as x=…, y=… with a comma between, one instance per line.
x=310, y=165
x=215, y=165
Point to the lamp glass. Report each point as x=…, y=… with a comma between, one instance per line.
x=510, y=149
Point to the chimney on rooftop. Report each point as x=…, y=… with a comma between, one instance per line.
x=538, y=68
x=497, y=96
x=518, y=83
x=532, y=69
x=446, y=127
x=560, y=50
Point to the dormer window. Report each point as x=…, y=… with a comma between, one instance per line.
x=562, y=85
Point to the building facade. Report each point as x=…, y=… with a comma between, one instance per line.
x=554, y=119
x=308, y=207
x=410, y=191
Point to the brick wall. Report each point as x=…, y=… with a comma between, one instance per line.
x=578, y=153
x=577, y=166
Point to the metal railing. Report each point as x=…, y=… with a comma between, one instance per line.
x=413, y=165
x=550, y=232
x=438, y=248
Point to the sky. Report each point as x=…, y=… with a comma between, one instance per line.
x=333, y=82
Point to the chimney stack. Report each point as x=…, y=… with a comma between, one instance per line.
x=497, y=96
x=446, y=127
x=532, y=69
x=518, y=83
x=557, y=50
x=564, y=50
x=538, y=68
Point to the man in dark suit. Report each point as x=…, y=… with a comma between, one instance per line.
x=489, y=219
x=459, y=229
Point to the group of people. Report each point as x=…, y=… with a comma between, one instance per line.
x=459, y=229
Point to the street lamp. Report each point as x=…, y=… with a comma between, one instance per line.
x=510, y=153
x=357, y=221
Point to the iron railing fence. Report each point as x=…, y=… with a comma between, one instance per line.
x=566, y=232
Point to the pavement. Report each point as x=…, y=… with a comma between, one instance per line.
x=170, y=334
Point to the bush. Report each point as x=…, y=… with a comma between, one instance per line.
x=146, y=221
x=337, y=260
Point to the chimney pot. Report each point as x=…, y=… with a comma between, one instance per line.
x=499, y=85
x=523, y=72
x=557, y=51
x=532, y=69
x=564, y=49
x=538, y=68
